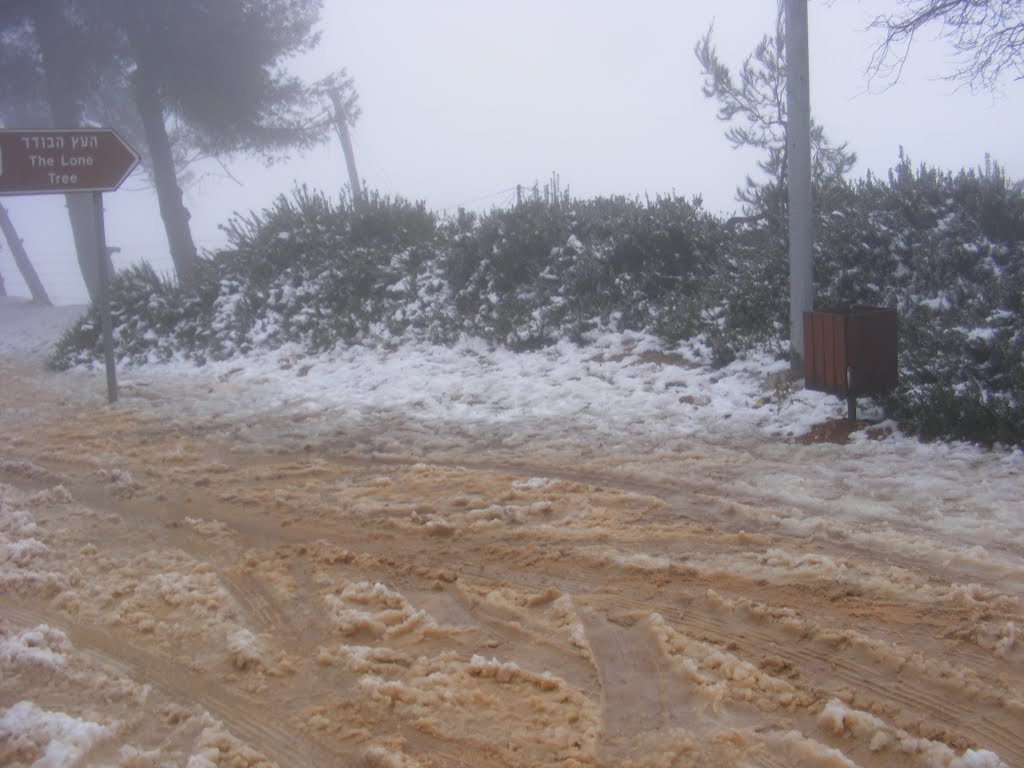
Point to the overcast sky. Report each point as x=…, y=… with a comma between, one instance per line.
x=464, y=99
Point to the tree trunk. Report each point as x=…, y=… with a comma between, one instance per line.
x=80, y=214
x=35, y=286
x=52, y=33
x=172, y=209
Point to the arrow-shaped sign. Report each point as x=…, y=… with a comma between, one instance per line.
x=76, y=160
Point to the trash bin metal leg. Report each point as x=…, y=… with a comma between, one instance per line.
x=851, y=396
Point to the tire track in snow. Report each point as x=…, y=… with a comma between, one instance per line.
x=266, y=614
x=638, y=694
x=825, y=667
x=829, y=666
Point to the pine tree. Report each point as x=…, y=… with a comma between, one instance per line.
x=754, y=108
x=213, y=72
x=205, y=80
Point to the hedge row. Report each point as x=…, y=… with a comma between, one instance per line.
x=947, y=250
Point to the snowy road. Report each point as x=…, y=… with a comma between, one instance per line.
x=611, y=556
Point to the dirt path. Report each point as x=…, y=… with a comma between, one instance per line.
x=298, y=596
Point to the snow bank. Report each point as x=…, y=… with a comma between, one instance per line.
x=33, y=736
x=29, y=329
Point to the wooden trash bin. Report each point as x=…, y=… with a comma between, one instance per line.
x=850, y=351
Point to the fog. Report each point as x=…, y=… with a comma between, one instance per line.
x=462, y=101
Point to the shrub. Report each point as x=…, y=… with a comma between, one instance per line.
x=946, y=250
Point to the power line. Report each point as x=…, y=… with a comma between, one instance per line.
x=484, y=197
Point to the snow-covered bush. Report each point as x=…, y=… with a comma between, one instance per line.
x=946, y=250
x=145, y=309
x=542, y=271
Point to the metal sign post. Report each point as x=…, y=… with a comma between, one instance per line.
x=47, y=162
x=106, y=321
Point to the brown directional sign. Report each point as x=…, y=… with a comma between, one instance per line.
x=74, y=160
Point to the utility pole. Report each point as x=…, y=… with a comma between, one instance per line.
x=341, y=124
x=798, y=154
x=106, y=319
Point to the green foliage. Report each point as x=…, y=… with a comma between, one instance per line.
x=542, y=271
x=948, y=251
x=220, y=68
x=146, y=312
x=754, y=277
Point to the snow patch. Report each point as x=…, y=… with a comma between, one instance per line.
x=534, y=483
x=41, y=646
x=42, y=739
x=245, y=650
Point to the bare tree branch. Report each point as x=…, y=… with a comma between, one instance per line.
x=986, y=36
